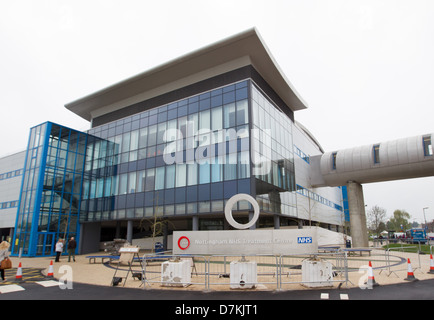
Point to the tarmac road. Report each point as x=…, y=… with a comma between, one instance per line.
x=418, y=290
x=167, y=304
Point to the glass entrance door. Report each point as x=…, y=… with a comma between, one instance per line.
x=45, y=246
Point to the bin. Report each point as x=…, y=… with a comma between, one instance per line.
x=348, y=244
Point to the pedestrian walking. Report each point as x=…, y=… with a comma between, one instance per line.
x=4, y=253
x=59, y=249
x=71, y=249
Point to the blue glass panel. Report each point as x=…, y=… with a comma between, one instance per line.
x=204, y=192
x=153, y=119
x=217, y=191
x=192, y=194
x=121, y=201
x=180, y=195
x=130, y=200
x=241, y=94
x=229, y=189
x=162, y=117
x=229, y=97
x=193, y=107
x=204, y=104
x=182, y=111
x=244, y=186
x=216, y=101
x=169, y=196
x=149, y=199
x=172, y=114
x=139, y=200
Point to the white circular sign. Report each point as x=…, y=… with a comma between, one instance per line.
x=228, y=210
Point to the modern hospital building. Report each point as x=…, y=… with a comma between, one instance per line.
x=175, y=143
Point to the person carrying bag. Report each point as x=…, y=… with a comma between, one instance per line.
x=6, y=263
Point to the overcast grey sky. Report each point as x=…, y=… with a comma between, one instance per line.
x=365, y=68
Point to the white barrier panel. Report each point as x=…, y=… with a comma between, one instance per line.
x=246, y=242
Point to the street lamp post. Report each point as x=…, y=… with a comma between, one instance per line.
x=426, y=226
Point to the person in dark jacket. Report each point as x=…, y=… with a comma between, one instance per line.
x=71, y=249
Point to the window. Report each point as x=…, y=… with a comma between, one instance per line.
x=181, y=175
x=242, y=114
x=229, y=115
x=140, y=184
x=159, y=178
x=150, y=179
x=334, y=156
x=170, y=176
x=131, y=182
x=192, y=174
x=160, y=132
x=123, y=178
x=217, y=118
x=217, y=170
x=126, y=142
x=134, y=140
x=152, y=135
x=204, y=172
x=230, y=167
x=204, y=120
x=376, y=153
x=143, y=137
x=108, y=187
x=243, y=165
x=427, y=146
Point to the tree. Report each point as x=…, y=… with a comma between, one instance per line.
x=399, y=221
x=376, y=219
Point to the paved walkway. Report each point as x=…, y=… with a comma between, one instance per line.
x=82, y=271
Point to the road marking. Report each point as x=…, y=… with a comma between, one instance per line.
x=10, y=288
x=344, y=296
x=324, y=296
x=48, y=283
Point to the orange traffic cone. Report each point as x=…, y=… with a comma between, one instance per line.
x=431, y=265
x=371, y=280
x=19, y=275
x=410, y=274
x=50, y=273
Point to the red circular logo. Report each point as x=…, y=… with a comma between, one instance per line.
x=183, y=243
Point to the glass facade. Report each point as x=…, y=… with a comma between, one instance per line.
x=49, y=208
x=184, y=158
x=273, y=156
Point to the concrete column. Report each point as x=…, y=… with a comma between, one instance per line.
x=250, y=218
x=195, y=224
x=356, y=205
x=276, y=222
x=165, y=233
x=118, y=230
x=130, y=231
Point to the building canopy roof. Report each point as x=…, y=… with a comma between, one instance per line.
x=246, y=48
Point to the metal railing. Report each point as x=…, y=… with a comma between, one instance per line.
x=271, y=272
x=276, y=272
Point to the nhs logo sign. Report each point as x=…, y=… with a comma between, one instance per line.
x=304, y=240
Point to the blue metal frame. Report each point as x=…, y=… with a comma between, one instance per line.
x=38, y=193
x=38, y=189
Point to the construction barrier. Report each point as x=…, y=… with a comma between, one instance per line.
x=410, y=274
x=19, y=275
x=267, y=272
x=371, y=279
x=50, y=273
x=431, y=265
